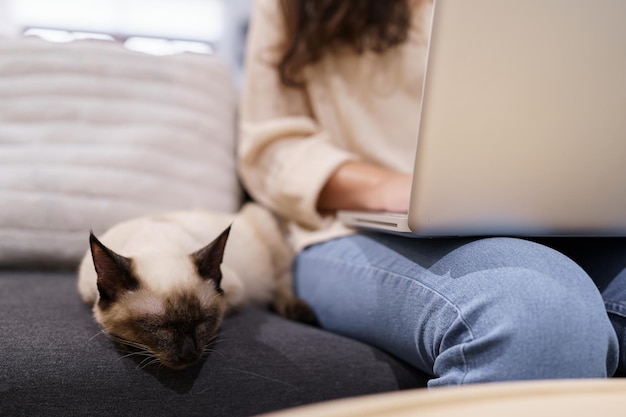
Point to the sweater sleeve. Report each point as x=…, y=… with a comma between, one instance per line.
x=285, y=157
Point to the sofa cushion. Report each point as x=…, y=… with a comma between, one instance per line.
x=92, y=134
x=56, y=362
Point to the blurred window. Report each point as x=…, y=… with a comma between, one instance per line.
x=155, y=26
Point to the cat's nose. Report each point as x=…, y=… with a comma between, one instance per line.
x=188, y=350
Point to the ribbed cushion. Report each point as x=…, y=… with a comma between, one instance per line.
x=92, y=134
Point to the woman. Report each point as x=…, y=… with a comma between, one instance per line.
x=328, y=122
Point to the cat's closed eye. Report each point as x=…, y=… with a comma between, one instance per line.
x=149, y=324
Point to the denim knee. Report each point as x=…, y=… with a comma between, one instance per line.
x=527, y=322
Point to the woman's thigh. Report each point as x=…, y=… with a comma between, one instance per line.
x=464, y=310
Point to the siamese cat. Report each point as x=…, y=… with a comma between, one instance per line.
x=161, y=284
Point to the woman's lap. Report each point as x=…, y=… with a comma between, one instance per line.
x=464, y=310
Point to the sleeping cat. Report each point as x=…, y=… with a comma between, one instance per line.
x=157, y=286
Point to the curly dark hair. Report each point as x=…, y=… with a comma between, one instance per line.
x=315, y=26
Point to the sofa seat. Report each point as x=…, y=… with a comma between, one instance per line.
x=56, y=362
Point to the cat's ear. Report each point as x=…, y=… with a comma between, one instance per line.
x=209, y=258
x=113, y=270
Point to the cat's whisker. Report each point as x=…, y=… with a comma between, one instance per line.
x=148, y=362
x=220, y=337
x=212, y=343
x=136, y=346
x=129, y=343
x=207, y=354
x=100, y=333
x=257, y=375
x=139, y=349
x=217, y=341
x=214, y=339
x=142, y=353
x=145, y=362
x=210, y=351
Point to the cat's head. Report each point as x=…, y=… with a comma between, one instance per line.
x=165, y=306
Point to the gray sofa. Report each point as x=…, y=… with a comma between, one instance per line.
x=91, y=134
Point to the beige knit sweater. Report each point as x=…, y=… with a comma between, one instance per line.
x=362, y=108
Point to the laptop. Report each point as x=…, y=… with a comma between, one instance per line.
x=523, y=123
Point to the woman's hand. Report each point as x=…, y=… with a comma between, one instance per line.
x=361, y=186
x=393, y=193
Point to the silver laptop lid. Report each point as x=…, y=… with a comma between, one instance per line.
x=523, y=129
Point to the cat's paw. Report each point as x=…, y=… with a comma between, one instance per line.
x=296, y=309
x=234, y=290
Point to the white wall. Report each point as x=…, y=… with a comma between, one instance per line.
x=7, y=27
x=219, y=22
x=180, y=19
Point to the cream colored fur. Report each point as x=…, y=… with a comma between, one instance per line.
x=256, y=267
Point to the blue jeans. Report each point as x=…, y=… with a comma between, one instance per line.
x=475, y=310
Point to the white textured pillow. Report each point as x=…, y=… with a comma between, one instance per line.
x=92, y=134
